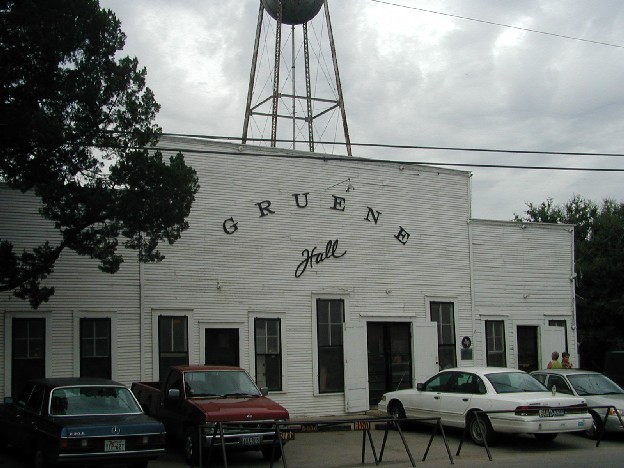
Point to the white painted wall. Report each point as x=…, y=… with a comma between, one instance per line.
x=523, y=274
x=218, y=279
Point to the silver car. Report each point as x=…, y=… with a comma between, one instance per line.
x=596, y=388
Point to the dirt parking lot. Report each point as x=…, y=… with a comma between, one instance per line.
x=344, y=449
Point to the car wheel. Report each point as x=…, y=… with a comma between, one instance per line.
x=480, y=433
x=191, y=446
x=397, y=411
x=269, y=452
x=141, y=464
x=546, y=437
x=595, y=431
x=39, y=459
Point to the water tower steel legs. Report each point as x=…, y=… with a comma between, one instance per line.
x=309, y=118
x=277, y=62
x=338, y=85
x=252, y=74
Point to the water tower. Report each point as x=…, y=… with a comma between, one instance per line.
x=294, y=84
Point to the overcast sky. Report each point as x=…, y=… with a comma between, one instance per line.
x=452, y=76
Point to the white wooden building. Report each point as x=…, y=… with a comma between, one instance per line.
x=330, y=279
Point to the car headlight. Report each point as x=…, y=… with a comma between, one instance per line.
x=383, y=397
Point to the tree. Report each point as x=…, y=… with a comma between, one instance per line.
x=77, y=130
x=599, y=263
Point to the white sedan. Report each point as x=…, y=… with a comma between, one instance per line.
x=513, y=402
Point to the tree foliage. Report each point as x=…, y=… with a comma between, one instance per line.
x=76, y=127
x=599, y=263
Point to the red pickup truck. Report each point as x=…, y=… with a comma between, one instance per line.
x=191, y=397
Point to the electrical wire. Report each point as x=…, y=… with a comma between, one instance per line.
x=498, y=24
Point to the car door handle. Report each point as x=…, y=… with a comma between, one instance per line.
x=465, y=399
x=436, y=397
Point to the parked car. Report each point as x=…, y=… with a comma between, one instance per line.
x=80, y=421
x=453, y=395
x=596, y=388
x=193, y=397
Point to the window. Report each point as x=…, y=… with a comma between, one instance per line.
x=495, y=343
x=172, y=342
x=443, y=314
x=268, y=353
x=329, y=320
x=95, y=347
x=28, y=352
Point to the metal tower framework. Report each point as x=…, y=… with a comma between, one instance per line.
x=275, y=97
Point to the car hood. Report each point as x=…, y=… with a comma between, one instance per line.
x=106, y=425
x=606, y=400
x=239, y=409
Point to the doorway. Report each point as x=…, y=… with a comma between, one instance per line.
x=528, y=357
x=221, y=347
x=389, y=358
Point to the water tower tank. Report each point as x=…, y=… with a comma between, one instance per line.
x=293, y=11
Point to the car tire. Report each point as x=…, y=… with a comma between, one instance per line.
x=141, y=464
x=595, y=432
x=40, y=460
x=396, y=411
x=548, y=437
x=191, y=446
x=269, y=452
x=475, y=430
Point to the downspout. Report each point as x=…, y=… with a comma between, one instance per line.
x=141, y=303
x=573, y=287
x=471, y=264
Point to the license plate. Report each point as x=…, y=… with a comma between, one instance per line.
x=114, y=445
x=250, y=440
x=550, y=413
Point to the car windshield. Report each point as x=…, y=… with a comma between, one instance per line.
x=514, y=382
x=594, y=384
x=92, y=400
x=219, y=383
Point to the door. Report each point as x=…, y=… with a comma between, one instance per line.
x=425, y=350
x=528, y=358
x=356, y=396
x=552, y=339
x=28, y=352
x=389, y=358
x=221, y=347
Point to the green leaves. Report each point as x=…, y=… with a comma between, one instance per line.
x=77, y=123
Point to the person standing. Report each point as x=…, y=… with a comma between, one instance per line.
x=565, y=360
x=554, y=362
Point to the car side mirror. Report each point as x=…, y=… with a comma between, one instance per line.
x=173, y=393
x=420, y=386
x=264, y=391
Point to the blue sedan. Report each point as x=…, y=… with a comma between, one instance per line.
x=80, y=421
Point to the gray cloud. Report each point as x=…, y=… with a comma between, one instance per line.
x=416, y=78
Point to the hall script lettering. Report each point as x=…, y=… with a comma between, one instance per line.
x=311, y=257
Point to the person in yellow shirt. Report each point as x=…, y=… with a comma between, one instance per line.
x=554, y=363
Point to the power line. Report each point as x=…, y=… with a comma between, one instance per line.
x=498, y=24
x=414, y=147
x=326, y=157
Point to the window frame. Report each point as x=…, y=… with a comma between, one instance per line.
x=430, y=301
x=156, y=336
x=96, y=314
x=503, y=351
x=280, y=346
x=108, y=356
x=315, y=338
